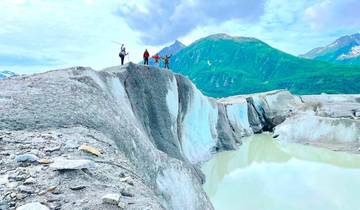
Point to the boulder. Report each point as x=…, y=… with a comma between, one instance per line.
x=53, y=149
x=127, y=180
x=89, y=149
x=26, y=189
x=30, y=180
x=122, y=205
x=33, y=206
x=357, y=114
x=4, y=179
x=77, y=187
x=26, y=158
x=112, y=198
x=64, y=164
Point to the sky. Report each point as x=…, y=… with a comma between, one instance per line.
x=41, y=35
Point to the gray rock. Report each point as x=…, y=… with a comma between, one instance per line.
x=30, y=181
x=26, y=158
x=127, y=180
x=55, y=206
x=4, y=179
x=33, y=206
x=18, y=178
x=126, y=194
x=112, y=198
x=64, y=164
x=12, y=204
x=357, y=114
x=122, y=205
x=78, y=187
x=20, y=196
x=26, y=189
x=53, y=149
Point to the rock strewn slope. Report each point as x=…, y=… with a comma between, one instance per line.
x=29, y=181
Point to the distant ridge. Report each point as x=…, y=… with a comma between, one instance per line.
x=345, y=50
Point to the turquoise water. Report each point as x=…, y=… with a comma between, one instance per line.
x=267, y=175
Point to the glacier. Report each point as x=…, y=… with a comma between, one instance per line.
x=152, y=126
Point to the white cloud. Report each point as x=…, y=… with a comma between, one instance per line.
x=286, y=26
x=162, y=21
x=89, y=2
x=330, y=15
x=70, y=32
x=79, y=32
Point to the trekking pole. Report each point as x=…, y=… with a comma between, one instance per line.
x=116, y=42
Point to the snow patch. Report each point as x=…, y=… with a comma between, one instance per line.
x=355, y=52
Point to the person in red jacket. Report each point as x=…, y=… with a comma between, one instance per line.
x=146, y=57
x=156, y=59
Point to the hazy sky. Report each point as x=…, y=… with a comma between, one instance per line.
x=39, y=35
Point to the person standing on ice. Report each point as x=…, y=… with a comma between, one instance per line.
x=122, y=54
x=146, y=57
x=167, y=61
x=156, y=59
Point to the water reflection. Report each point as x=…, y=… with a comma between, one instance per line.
x=267, y=175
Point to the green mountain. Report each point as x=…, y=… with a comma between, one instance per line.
x=345, y=50
x=221, y=65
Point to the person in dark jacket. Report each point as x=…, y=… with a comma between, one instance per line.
x=146, y=57
x=167, y=61
x=122, y=54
